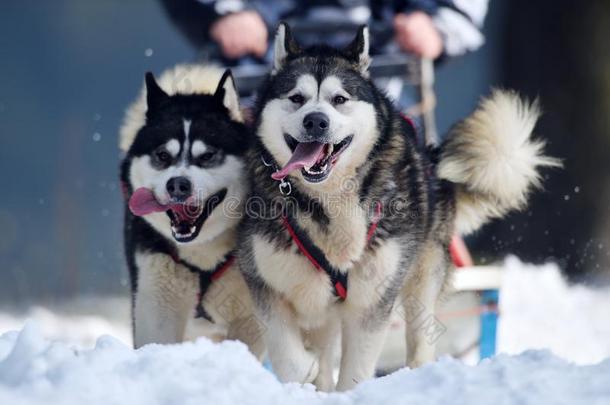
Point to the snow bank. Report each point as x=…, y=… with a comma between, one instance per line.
x=34, y=370
x=539, y=310
x=80, y=329
x=57, y=359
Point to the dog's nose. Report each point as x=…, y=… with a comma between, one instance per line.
x=316, y=124
x=179, y=188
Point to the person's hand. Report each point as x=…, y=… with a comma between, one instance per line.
x=415, y=32
x=240, y=34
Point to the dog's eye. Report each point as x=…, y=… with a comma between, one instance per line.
x=339, y=100
x=297, y=99
x=163, y=157
x=207, y=156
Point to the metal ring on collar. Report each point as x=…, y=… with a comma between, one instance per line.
x=285, y=188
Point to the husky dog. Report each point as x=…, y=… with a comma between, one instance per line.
x=349, y=217
x=183, y=170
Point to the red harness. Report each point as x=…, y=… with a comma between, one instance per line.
x=206, y=277
x=317, y=258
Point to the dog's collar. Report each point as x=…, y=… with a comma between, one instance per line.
x=206, y=278
x=315, y=255
x=285, y=186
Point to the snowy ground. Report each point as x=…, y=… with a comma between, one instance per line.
x=39, y=371
x=55, y=359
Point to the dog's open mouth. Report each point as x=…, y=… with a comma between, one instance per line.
x=315, y=159
x=186, y=218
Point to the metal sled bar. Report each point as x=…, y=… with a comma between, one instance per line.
x=428, y=100
x=489, y=324
x=248, y=78
x=478, y=278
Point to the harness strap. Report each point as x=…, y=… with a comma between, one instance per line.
x=374, y=222
x=206, y=277
x=317, y=258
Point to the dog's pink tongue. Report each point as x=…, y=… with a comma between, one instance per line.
x=143, y=202
x=305, y=154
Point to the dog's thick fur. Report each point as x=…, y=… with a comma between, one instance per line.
x=487, y=166
x=492, y=159
x=193, y=110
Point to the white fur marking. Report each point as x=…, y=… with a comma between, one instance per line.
x=198, y=149
x=307, y=86
x=330, y=87
x=187, y=141
x=187, y=128
x=173, y=147
x=231, y=100
x=279, y=49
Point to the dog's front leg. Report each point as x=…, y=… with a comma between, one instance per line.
x=290, y=360
x=325, y=341
x=163, y=301
x=366, y=313
x=362, y=341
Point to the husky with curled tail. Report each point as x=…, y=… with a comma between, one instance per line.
x=183, y=175
x=349, y=217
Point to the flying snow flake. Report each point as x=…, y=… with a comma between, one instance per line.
x=97, y=137
x=148, y=52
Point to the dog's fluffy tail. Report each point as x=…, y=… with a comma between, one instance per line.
x=492, y=159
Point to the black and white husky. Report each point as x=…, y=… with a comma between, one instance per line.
x=348, y=218
x=183, y=176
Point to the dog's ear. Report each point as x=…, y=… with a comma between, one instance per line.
x=155, y=96
x=285, y=46
x=358, y=50
x=226, y=94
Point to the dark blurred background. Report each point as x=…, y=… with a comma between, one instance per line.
x=70, y=67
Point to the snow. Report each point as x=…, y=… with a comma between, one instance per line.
x=58, y=358
x=35, y=370
x=539, y=310
x=93, y=318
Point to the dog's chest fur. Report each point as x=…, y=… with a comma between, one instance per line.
x=209, y=254
x=343, y=240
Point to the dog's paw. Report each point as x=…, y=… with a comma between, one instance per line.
x=303, y=370
x=324, y=381
x=312, y=374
